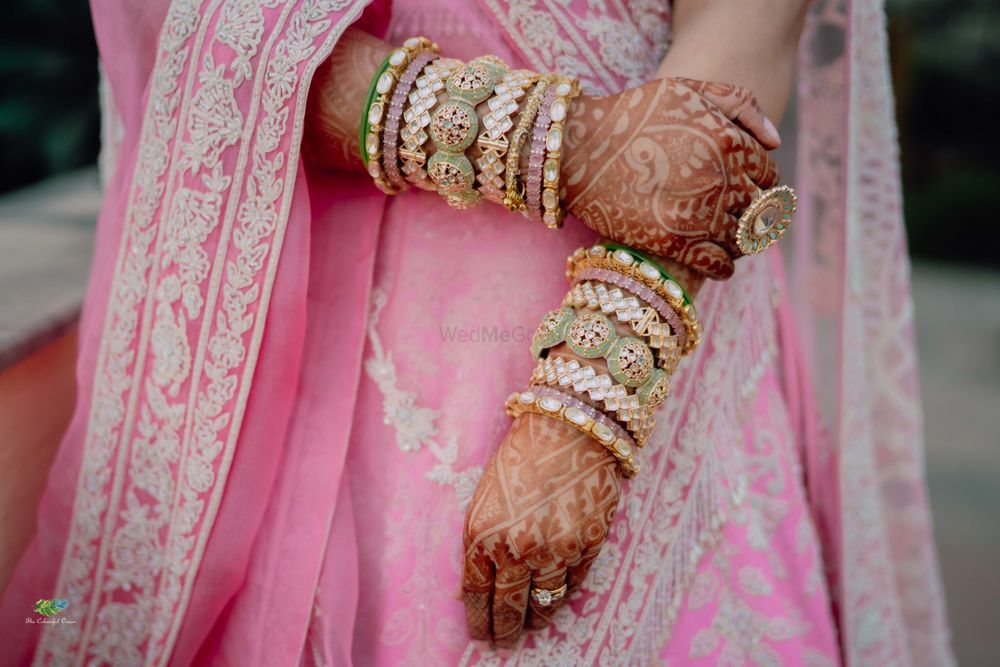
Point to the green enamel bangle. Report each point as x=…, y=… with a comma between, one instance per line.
x=643, y=257
x=365, y=123
x=551, y=330
x=592, y=335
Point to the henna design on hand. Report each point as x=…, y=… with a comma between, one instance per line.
x=543, y=506
x=668, y=167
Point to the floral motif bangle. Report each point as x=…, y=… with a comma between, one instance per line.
x=390, y=135
x=423, y=98
x=551, y=330
x=536, y=157
x=644, y=320
x=649, y=274
x=579, y=415
x=514, y=193
x=492, y=143
x=643, y=292
x=565, y=91
x=592, y=335
x=398, y=61
x=454, y=126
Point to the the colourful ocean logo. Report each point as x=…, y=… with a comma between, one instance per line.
x=51, y=607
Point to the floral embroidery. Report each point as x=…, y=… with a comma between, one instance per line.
x=177, y=460
x=608, y=46
x=740, y=631
x=414, y=425
x=116, y=357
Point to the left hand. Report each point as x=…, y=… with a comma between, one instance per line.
x=668, y=168
x=539, y=517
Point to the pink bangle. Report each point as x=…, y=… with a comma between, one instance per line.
x=536, y=159
x=390, y=141
x=641, y=291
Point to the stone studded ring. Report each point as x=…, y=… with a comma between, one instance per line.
x=766, y=219
x=545, y=597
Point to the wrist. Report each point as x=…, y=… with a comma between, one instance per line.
x=583, y=114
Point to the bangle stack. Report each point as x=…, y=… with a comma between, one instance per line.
x=621, y=306
x=392, y=70
x=485, y=106
x=625, y=323
x=565, y=91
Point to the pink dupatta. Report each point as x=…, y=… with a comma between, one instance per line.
x=172, y=485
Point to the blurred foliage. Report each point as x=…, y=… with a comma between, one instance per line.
x=946, y=62
x=49, y=117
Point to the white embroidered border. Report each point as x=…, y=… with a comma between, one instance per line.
x=309, y=23
x=115, y=357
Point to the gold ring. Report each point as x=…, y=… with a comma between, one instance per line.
x=545, y=597
x=766, y=219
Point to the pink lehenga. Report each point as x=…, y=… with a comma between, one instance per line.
x=289, y=383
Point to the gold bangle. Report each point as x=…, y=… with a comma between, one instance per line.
x=566, y=90
x=644, y=273
x=565, y=411
x=493, y=143
x=399, y=59
x=422, y=100
x=636, y=410
x=454, y=126
x=591, y=335
x=514, y=194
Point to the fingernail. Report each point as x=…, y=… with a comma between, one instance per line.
x=771, y=130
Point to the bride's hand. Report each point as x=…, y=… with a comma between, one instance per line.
x=668, y=167
x=539, y=517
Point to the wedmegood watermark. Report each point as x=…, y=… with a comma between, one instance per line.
x=485, y=334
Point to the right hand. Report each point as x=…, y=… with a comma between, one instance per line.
x=668, y=167
x=540, y=515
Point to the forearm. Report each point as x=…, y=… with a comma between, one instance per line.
x=751, y=43
x=339, y=87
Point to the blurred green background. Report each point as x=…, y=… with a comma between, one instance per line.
x=49, y=117
x=946, y=67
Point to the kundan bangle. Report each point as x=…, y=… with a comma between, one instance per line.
x=642, y=257
x=536, y=157
x=626, y=307
x=592, y=335
x=634, y=409
x=390, y=137
x=645, y=293
x=493, y=143
x=625, y=262
x=398, y=61
x=586, y=419
x=565, y=91
x=584, y=379
x=423, y=99
x=370, y=113
x=514, y=193
x=454, y=126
